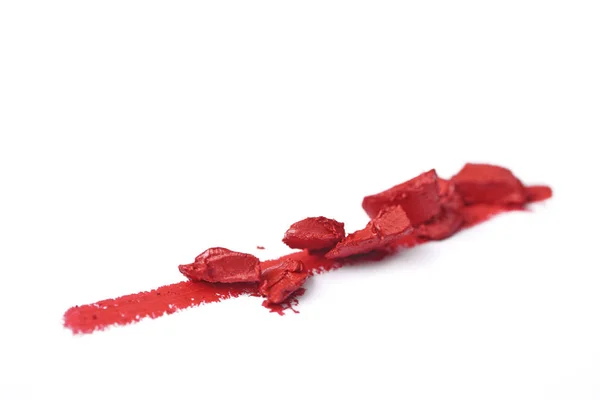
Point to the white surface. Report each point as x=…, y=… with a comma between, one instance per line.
x=136, y=134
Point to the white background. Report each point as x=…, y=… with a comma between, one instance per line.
x=136, y=134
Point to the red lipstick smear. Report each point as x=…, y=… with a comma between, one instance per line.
x=155, y=303
x=439, y=208
x=178, y=296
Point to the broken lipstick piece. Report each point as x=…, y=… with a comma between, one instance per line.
x=419, y=197
x=389, y=225
x=489, y=184
x=280, y=281
x=315, y=233
x=222, y=265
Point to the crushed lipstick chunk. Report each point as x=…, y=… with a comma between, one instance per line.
x=219, y=264
x=489, y=184
x=280, y=281
x=387, y=227
x=418, y=197
x=315, y=233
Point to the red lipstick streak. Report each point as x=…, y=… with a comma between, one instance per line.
x=155, y=303
x=171, y=298
x=167, y=299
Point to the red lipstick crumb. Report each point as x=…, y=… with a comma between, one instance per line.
x=317, y=233
x=474, y=195
x=260, y=247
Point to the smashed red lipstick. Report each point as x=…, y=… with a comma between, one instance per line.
x=387, y=227
x=315, y=233
x=279, y=281
x=222, y=265
x=419, y=197
x=421, y=209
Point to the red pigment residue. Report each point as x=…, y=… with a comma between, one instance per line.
x=260, y=247
x=178, y=296
x=422, y=209
x=155, y=303
x=288, y=304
